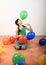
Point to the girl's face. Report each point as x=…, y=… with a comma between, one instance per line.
x=19, y=22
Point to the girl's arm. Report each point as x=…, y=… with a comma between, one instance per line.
x=28, y=27
x=17, y=33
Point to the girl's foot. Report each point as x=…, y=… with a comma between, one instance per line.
x=23, y=48
x=17, y=47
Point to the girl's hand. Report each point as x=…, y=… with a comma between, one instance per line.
x=28, y=27
x=20, y=35
x=27, y=24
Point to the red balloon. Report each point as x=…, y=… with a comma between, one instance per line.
x=22, y=39
x=12, y=39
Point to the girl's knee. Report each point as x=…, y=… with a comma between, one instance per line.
x=17, y=47
x=23, y=48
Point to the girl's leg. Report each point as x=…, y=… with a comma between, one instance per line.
x=17, y=47
x=23, y=47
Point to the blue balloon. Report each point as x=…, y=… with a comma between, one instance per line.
x=19, y=63
x=45, y=40
x=42, y=41
x=30, y=35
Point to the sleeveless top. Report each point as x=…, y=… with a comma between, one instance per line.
x=22, y=31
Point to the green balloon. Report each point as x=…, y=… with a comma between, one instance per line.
x=18, y=57
x=23, y=14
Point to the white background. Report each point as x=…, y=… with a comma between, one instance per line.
x=10, y=10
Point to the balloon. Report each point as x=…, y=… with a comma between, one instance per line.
x=42, y=60
x=19, y=63
x=18, y=57
x=30, y=35
x=1, y=49
x=42, y=41
x=6, y=40
x=22, y=39
x=23, y=14
x=45, y=40
x=12, y=39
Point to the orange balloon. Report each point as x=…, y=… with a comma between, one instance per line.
x=6, y=40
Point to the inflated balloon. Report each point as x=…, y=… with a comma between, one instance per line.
x=45, y=41
x=42, y=41
x=12, y=39
x=23, y=14
x=42, y=60
x=22, y=39
x=6, y=40
x=1, y=48
x=19, y=63
x=30, y=35
x=18, y=57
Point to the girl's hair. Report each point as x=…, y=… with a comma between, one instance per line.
x=16, y=22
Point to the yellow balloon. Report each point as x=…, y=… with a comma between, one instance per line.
x=1, y=49
x=42, y=59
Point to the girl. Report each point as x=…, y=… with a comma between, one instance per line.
x=21, y=30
